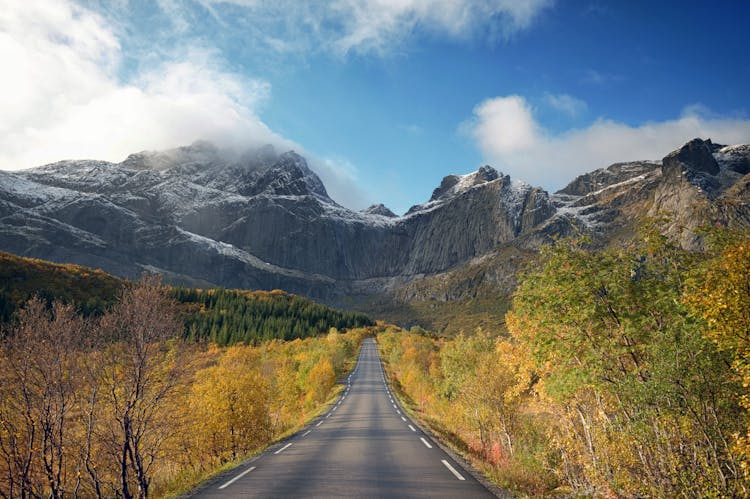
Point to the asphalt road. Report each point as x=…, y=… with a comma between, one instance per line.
x=364, y=446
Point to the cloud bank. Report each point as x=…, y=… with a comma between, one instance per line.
x=63, y=99
x=508, y=135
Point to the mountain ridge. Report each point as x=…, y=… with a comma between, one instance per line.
x=264, y=220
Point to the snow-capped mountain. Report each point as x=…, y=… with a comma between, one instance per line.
x=264, y=220
x=260, y=220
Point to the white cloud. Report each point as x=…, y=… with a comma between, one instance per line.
x=504, y=125
x=506, y=132
x=379, y=26
x=595, y=77
x=63, y=99
x=565, y=103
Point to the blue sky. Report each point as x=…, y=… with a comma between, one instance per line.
x=385, y=97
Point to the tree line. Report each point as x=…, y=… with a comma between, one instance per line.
x=226, y=317
x=221, y=316
x=624, y=373
x=120, y=405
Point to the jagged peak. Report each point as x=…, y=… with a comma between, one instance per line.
x=487, y=173
x=292, y=157
x=289, y=175
x=380, y=209
x=712, y=168
x=604, y=177
x=696, y=155
x=735, y=158
x=453, y=185
x=199, y=152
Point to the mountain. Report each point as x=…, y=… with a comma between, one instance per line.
x=263, y=220
x=699, y=184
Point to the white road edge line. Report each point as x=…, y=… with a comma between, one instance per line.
x=307, y=433
x=403, y=418
x=319, y=423
x=283, y=448
x=412, y=428
x=453, y=470
x=230, y=482
x=425, y=442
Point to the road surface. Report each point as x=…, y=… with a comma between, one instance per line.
x=364, y=446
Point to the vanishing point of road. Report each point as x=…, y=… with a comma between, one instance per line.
x=364, y=446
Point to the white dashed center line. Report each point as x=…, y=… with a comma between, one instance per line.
x=453, y=470
x=283, y=448
x=230, y=482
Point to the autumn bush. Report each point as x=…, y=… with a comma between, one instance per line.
x=718, y=294
x=475, y=392
x=624, y=374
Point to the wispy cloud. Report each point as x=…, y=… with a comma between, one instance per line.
x=373, y=27
x=412, y=129
x=565, y=103
x=509, y=136
x=596, y=77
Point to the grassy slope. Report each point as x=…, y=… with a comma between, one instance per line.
x=93, y=291
x=471, y=295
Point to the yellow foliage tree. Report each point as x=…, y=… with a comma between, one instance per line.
x=719, y=294
x=320, y=381
x=231, y=400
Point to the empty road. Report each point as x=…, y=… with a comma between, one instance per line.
x=364, y=446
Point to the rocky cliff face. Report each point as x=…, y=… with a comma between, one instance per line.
x=700, y=183
x=264, y=220
x=261, y=220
